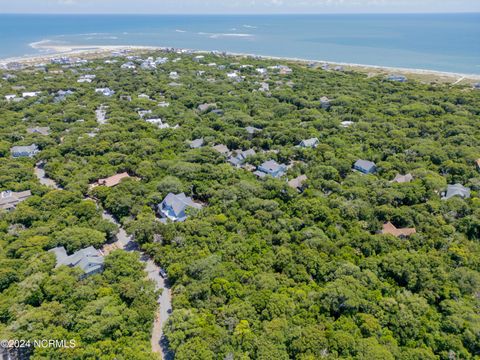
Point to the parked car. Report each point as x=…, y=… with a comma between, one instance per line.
x=162, y=273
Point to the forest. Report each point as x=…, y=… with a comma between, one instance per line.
x=263, y=270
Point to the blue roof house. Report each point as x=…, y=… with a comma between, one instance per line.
x=24, y=151
x=271, y=168
x=365, y=166
x=173, y=207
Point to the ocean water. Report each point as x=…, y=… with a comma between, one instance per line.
x=443, y=42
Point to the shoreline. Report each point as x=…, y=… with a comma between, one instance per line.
x=97, y=51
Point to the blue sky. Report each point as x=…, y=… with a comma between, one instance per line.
x=237, y=6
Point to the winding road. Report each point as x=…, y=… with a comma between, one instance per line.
x=125, y=242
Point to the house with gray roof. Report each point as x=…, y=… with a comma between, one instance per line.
x=252, y=130
x=222, y=149
x=173, y=207
x=271, y=168
x=24, y=151
x=403, y=178
x=90, y=260
x=456, y=190
x=365, y=166
x=207, y=106
x=39, y=130
x=240, y=157
x=309, y=143
x=325, y=103
x=196, y=144
x=9, y=199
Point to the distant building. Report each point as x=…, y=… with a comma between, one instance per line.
x=240, y=157
x=112, y=180
x=90, y=260
x=9, y=199
x=173, y=207
x=10, y=97
x=298, y=182
x=198, y=58
x=390, y=229
x=476, y=86
x=30, y=94
x=128, y=65
x=39, y=130
x=173, y=75
x=105, y=91
x=365, y=166
x=252, y=130
x=403, y=178
x=456, y=190
x=346, y=124
x=309, y=143
x=222, y=149
x=24, y=151
x=197, y=143
x=397, y=78
x=271, y=168
x=325, y=103
x=207, y=106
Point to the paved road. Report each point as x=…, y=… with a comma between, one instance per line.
x=125, y=242
x=42, y=177
x=159, y=343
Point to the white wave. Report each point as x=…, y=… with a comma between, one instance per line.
x=216, y=36
x=250, y=27
x=180, y=31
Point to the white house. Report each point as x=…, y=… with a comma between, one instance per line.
x=105, y=91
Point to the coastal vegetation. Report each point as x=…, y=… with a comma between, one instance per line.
x=262, y=270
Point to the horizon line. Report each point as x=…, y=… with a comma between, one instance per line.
x=243, y=14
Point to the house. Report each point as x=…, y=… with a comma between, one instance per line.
x=325, y=103
x=112, y=180
x=163, y=104
x=173, y=75
x=240, y=157
x=232, y=75
x=403, y=178
x=39, y=130
x=143, y=113
x=10, y=97
x=262, y=71
x=397, y=78
x=478, y=164
x=24, y=151
x=207, y=106
x=197, y=143
x=10, y=199
x=62, y=95
x=90, y=260
x=252, y=130
x=105, y=91
x=173, y=207
x=198, y=58
x=365, y=166
x=128, y=65
x=222, y=149
x=456, y=190
x=144, y=96
x=476, y=86
x=264, y=87
x=390, y=229
x=309, y=143
x=272, y=168
x=346, y=124
x=297, y=183
x=30, y=94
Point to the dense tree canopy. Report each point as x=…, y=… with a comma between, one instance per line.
x=262, y=271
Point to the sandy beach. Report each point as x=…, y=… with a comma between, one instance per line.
x=99, y=51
